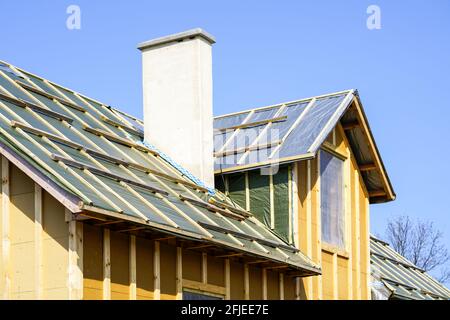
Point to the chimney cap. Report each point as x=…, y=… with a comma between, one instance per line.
x=189, y=34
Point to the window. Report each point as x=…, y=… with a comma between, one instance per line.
x=190, y=295
x=332, y=199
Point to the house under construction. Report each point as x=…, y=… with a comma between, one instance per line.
x=269, y=203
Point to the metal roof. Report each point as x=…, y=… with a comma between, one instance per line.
x=401, y=277
x=296, y=130
x=96, y=158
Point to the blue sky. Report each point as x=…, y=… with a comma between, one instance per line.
x=269, y=52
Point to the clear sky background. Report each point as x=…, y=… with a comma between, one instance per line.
x=269, y=52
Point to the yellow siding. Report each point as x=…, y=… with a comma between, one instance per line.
x=168, y=272
x=92, y=267
x=55, y=248
x=255, y=283
x=215, y=271
x=120, y=266
x=144, y=269
x=192, y=265
x=343, y=278
x=22, y=235
x=52, y=241
x=345, y=271
x=273, y=289
x=237, y=280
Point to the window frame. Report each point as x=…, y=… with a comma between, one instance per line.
x=342, y=246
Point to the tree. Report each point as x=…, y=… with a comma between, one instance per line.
x=421, y=243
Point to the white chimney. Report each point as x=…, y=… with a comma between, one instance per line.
x=177, y=83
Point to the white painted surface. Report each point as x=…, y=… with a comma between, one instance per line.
x=177, y=85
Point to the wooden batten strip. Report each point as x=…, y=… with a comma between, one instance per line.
x=156, y=272
x=75, y=281
x=115, y=138
x=350, y=125
x=112, y=176
x=281, y=285
x=132, y=264
x=179, y=272
x=253, y=124
x=294, y=125
x=212, y=208
x=247, y=149
x=6, y=240
x=106, y=265
x=271, y=202
x=166, y=176
x=246, y=282
x=204, y=267
x=247, y=118
x=97, y=154
x=38, y=235
x=264, y=284
x=26, y=128
x=50, y=96
x=122, y=126
x=227, y=279
x=229, y=207
x=367, y=167
x=377, y=193
x=248, y=237
x=24, y=104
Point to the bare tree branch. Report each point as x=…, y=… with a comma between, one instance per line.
x=420, y=242
x=445, y=276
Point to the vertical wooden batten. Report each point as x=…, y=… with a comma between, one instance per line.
x=356, y=240
x=227, y=280
x=157, y=272
x=319, y=224
x=132, y=264
x=38, y=231
x=247, y=192
x=272, y=201
x=179, y=270
x=204, y=268
x=308, y=225
x=291, y=212
x=6, y=241
x=295, y=211
x=281, y=285
x=297, y=288
x=106, y=265
x=75, y=281
x=264, y=284
x=246, y=282
x=348, y=221
x=335, y=277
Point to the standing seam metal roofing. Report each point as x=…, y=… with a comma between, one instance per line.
x=401, y=277
x=96, y=154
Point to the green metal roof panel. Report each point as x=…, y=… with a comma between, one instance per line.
x=97, y=154
x=403, y=278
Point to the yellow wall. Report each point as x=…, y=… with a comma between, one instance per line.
x=37, y=262
x=345, y=271
x=192, y=263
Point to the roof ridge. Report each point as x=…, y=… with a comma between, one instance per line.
x=285, y=103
